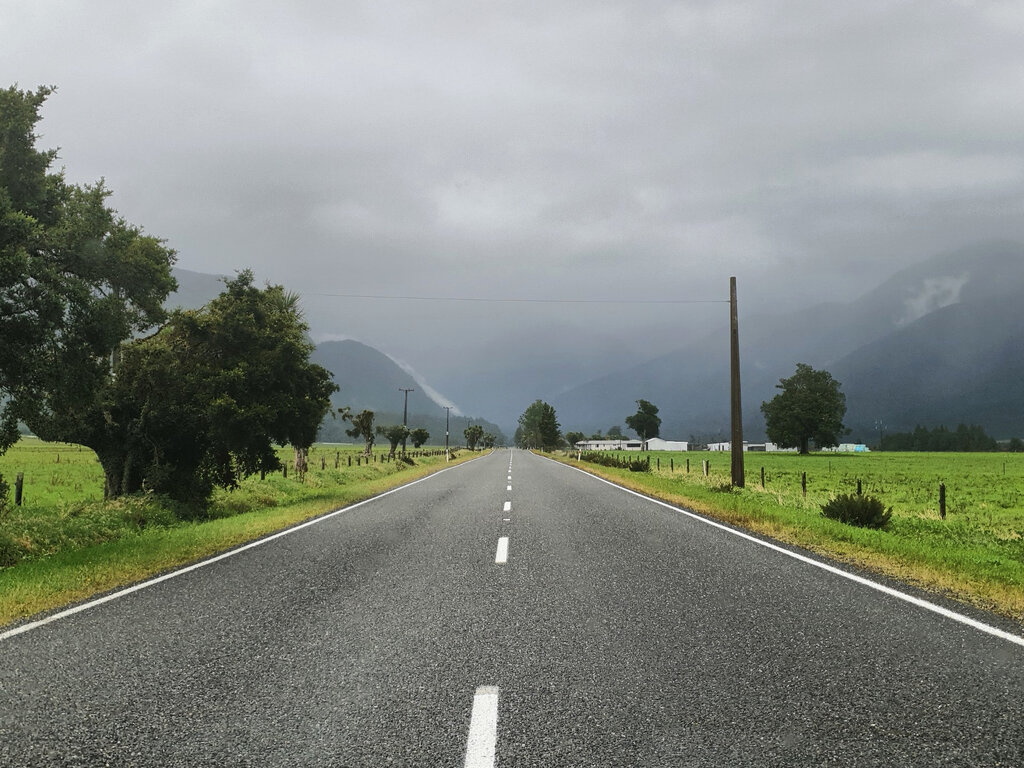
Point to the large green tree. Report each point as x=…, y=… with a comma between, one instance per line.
x=76, y=281
x=419, y=437
x=574, y=437
x=202, y=402
x=473, y=434
x=362, y=426
x=538, y=427
x=394, y=435
x=645, y=422
x=809, y=407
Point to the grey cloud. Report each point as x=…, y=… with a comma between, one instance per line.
x=567, y=148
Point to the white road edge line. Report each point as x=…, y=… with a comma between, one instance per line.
x=501, y=556
x=483, y=728
x=222, y=556
x=928, y=606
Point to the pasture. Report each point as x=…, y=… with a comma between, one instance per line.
x=975, y=554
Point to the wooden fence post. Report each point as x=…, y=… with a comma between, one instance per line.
x=19, y=488
x=803, y=484
x=942, y=500
x=762, y=478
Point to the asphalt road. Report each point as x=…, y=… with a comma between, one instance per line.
x=616, y=633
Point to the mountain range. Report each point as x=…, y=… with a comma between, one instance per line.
x=939, y=343
x=366, y=378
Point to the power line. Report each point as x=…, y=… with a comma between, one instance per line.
x=485, y=300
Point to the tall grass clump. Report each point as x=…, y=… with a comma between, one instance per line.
x=854, y=509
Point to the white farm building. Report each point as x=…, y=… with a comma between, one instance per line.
x=654, y=444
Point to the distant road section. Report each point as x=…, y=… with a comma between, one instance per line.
x=512, y=612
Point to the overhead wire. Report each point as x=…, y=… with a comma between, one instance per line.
x=516, y=300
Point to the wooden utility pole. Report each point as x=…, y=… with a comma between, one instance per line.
x=737, y=410
x=447, y=417
x=405, y=411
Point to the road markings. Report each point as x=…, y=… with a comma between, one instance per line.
x=501, y=556
x=483, y=728
x=508, y=507
x=907, y=598
x=508, y=488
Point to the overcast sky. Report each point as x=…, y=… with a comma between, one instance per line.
x=571, y=149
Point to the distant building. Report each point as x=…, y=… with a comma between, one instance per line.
x=759, y=447
x=727, y=446
x=850, y=448
x=609, y=445
x=657, y=444
x=654, y=444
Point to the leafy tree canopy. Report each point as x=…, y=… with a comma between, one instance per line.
x=645, y=422
x=574, y=437
x=419, y=437
x=394, y=435
x=809, y=407
x=202, y=402
x=76, y=280
x=473, y=434
x=538, y=427
x=615, y=431
x=362, y=426
x=488, y=440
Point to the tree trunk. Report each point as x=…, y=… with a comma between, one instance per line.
x=301, y=461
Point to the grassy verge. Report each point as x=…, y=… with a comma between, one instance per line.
x=975, y=554
x=78, y=546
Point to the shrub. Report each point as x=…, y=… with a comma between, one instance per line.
x=854, y=509
x=11, y=551
x=5, y=490
x=607, y=460
x=640, y=465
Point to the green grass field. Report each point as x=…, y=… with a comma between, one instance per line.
x=976, y=554
x=65, y=543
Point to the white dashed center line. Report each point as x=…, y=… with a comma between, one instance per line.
x=509, y=488
x=508, y=506
x=483, y=728
x=501, y=556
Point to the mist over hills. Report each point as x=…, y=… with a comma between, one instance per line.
x=369, y=379
x=366, y=377
x=941, y=342
x=938, y=343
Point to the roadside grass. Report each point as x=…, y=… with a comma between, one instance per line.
x=75, y=547
x=975, y=555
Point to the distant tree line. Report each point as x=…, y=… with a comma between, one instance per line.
x=962, y=439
